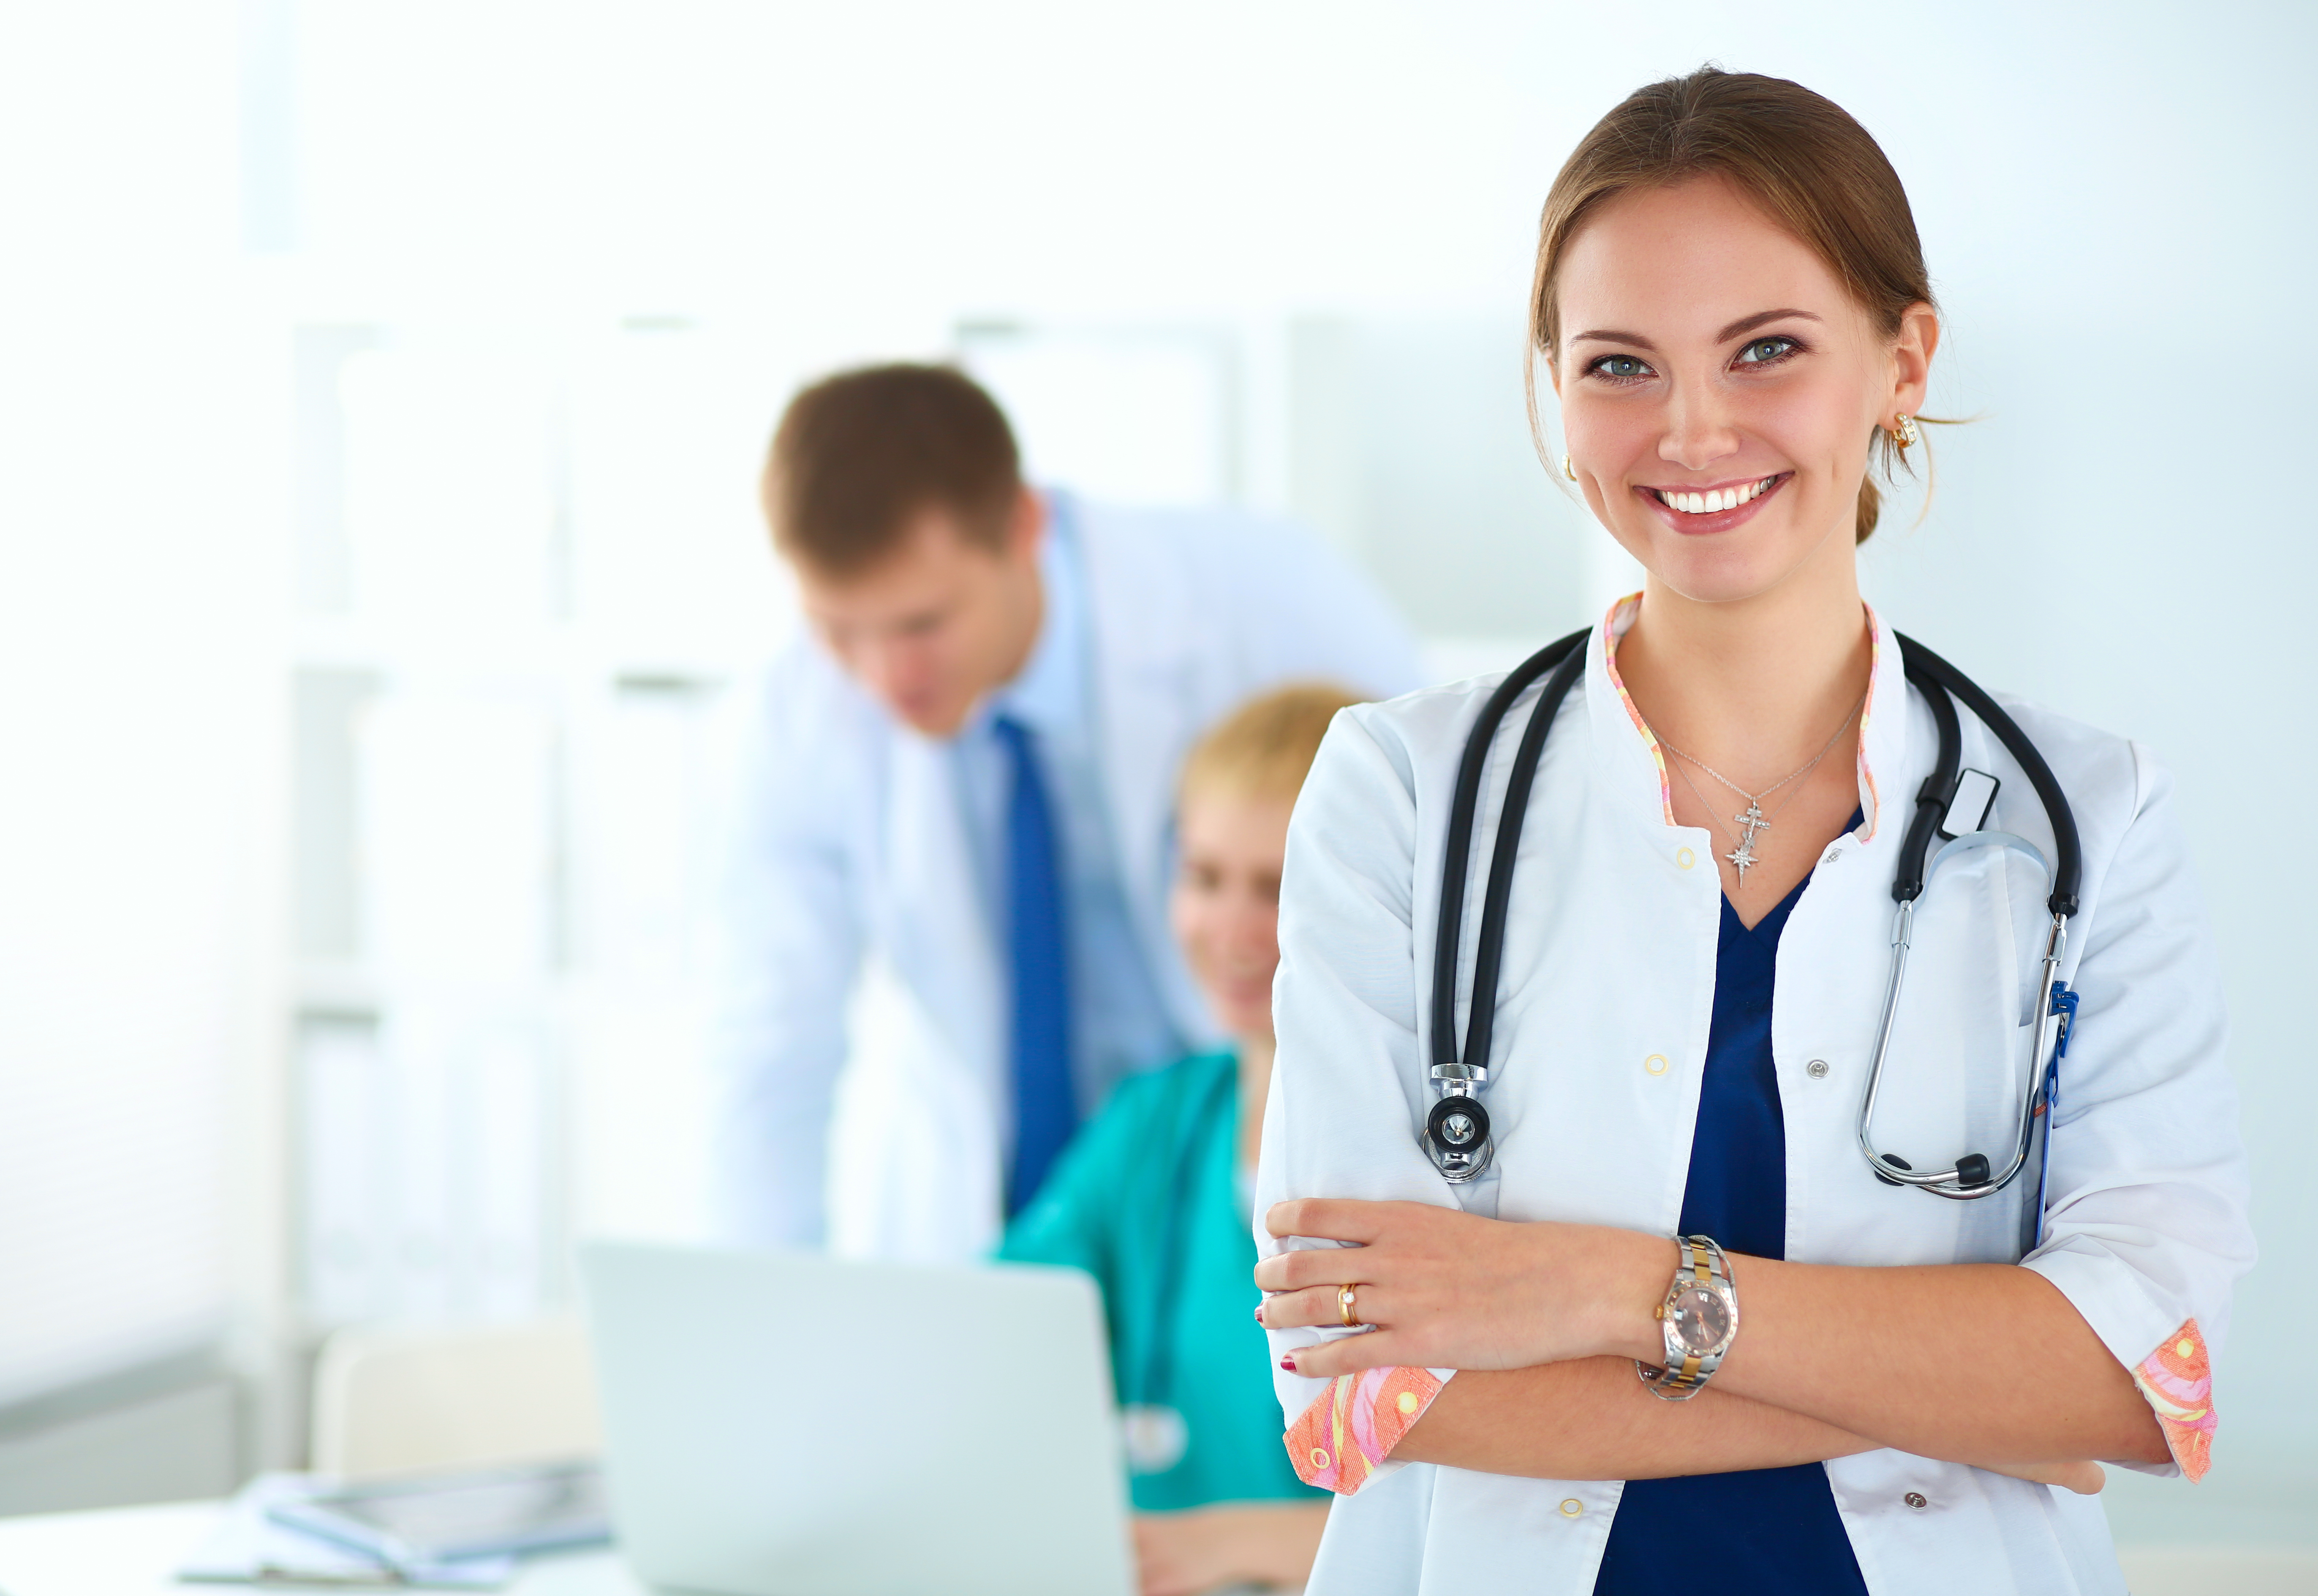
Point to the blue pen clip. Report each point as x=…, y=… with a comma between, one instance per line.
x=2064, y=1004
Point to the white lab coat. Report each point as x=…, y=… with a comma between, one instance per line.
x=1601, y=1024
x=851, y=853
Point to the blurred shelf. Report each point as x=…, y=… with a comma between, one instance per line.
x=564, y=652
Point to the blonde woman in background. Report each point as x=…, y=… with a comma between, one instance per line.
x=1152, y=1197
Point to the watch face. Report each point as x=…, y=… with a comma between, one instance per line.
x=1702, y=1319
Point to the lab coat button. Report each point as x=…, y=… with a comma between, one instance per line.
x=1833, y=854
x=1915, y=1499
x=1816, y=1069
x=1656, y=1064
x=1685, y=857
x=1571, y=1507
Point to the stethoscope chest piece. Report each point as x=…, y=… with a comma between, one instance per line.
x=1155, y=1437
x=1457, y=1130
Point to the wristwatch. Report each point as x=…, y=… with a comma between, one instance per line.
x=1700, y=1318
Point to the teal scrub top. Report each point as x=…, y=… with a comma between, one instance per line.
x=1146, y=1199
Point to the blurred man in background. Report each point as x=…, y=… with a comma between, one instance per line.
x=962, y=772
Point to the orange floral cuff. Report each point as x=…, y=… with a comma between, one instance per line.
x=2178, y=1379
x=1351, y=1427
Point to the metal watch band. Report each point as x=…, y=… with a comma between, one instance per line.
x=1686, y=1372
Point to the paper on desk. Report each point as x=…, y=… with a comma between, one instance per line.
x=249, y=1548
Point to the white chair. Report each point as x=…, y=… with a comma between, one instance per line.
x=390, y=1402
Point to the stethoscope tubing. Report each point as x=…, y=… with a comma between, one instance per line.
x=1566, y=657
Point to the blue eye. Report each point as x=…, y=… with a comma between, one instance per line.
x=1763, y=351
x=1622, y=366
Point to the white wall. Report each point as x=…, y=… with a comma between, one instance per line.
x=140, y=598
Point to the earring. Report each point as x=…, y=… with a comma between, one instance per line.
x=1567, y=470
x=1906, y=432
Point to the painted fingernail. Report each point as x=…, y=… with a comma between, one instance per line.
x=1288, y=1364
x=1259, y=1313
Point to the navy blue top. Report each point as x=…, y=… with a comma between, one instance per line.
x=1773, y=1532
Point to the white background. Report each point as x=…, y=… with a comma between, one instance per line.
x=1323, y=212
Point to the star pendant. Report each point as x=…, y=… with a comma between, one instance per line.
x=1742, y=856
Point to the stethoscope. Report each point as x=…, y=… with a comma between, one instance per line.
x=1457, y=1135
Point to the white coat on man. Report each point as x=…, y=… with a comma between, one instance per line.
x=857, y=940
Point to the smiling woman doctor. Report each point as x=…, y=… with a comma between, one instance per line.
x=1832, y=1382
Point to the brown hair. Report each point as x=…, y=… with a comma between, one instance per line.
x=1264, y=748
x=859, y=456
x=1799, y=154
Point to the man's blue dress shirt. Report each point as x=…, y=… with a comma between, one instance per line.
x=1119, y=1023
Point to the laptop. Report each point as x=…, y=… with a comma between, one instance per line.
x=793, y=1425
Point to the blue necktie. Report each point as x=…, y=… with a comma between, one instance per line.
x=1045, y=1106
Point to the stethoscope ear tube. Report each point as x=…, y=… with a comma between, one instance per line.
x=1939, y=788
x=1973, y=1177
x=1928, y=671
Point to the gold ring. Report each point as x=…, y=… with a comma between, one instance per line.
x=1344, y=1308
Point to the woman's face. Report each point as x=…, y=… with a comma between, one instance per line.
x=1719, y=388
x=1226, y=902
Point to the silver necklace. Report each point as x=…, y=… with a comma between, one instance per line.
x=1753, y=820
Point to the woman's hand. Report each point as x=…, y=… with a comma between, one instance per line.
x=1447, y=1289
x=1235, y=1544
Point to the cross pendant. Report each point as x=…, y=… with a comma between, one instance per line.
x=1743, y=855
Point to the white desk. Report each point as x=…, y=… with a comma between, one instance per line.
x=135, y=1551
